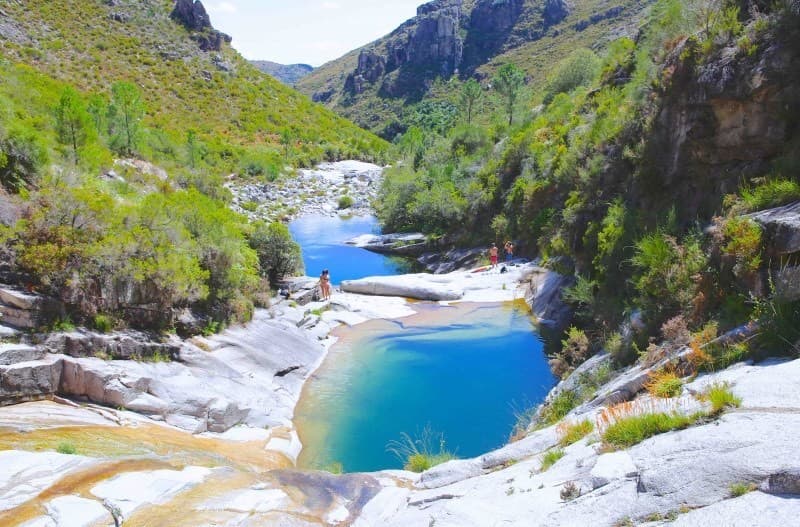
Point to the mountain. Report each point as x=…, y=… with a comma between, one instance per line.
x=461, y=39
x=288, y=74
x=189, y=76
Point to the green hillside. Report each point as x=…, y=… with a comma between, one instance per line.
x=533, y=41
x=227, y=101
x=119, y=127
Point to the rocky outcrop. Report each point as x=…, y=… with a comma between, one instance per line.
x=452, y=260
x=544, y=297
x=247, y=375
x=781, y=229
x=407, y=286
x=28, y=310
x=722, y=122
x=409, y=244
x=192, y=15
x=424, y=47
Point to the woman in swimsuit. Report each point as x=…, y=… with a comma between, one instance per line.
x=325, y=284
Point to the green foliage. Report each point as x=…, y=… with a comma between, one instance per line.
x=578, y=69
x=508, y=83
x=470, y=96
x=667, y=274
x=103, y=323
x=611, y=234
x=774, y=192
x=721, y=397
x=66, y=447
x=743, y=242
x=419, y=454
x=574, y=432
x=278, y=254
x=551, y=457
x=582, y=293
x=574, y=351
x=629, y=431
x=73, y=122
x=467, y=140
x=124, y=117
x=664, y=384
x=740, y=489
x=345, y=202
x=554, y=410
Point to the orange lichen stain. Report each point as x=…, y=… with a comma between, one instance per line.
x=136, y=448
x=78, y=482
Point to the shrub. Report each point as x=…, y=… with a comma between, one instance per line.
x=422, y=453
x=558, y=407
x=550, y=457
x=467, y=140
x=66, y=448
x=578, y=69
x=740, y=489
x=574, y=351
x=721, y=397
x=278, y=254
x=103, y=323
x=570, y=491
x=345, y=202
x=772, y=193
x=572, y=432
x=629, y=431
x=664, y=384
x=676, y=332
x=743, y=242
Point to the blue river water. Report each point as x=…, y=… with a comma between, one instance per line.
x=322, y=239
x=463, y=371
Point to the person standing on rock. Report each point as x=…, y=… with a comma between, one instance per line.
x=325, y=285
x=493, y=255
x=509, y=249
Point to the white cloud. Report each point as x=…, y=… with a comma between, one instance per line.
x=331, y=5
x=221, y=7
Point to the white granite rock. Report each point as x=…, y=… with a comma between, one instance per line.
x=73, y=511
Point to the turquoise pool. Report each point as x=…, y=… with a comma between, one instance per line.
x=461, y=370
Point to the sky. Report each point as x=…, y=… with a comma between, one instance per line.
x=306, y=31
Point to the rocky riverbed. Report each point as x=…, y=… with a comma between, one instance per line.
x=211, y=443
x=311, y=191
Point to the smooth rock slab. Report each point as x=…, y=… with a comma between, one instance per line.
x=612, y=466
x=249, y=500
x=133, y=490
x=23, y=475
x=420, y=287
x=750, y=510
x=72, y=511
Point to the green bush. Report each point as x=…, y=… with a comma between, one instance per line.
x=103, y=323
x=421, y=453
x=721, y=397
x=345, y=202
x=573, y=432
x=558, y=407
x=278, y=254
x=740, y=489
x=629, y=431
x=66, y=448
x=578, y=69
x=772, y=193
x=550, y=457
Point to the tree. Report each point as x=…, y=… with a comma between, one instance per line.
x=126, y=112
x=192, y=147
x=471, y=94
x=278, y=254
x=508, y=82
x=97, y=108
x=72, y=121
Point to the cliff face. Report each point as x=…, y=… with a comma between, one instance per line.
x=724, y=120
x=467, y=38
x=426, y=46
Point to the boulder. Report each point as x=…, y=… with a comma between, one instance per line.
x=14, y=353
x=129, y=345
x=416, y=286
x=28, y=310
x=409, y=244
x=544, y=297
x=27, y=381
x=781, y=228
